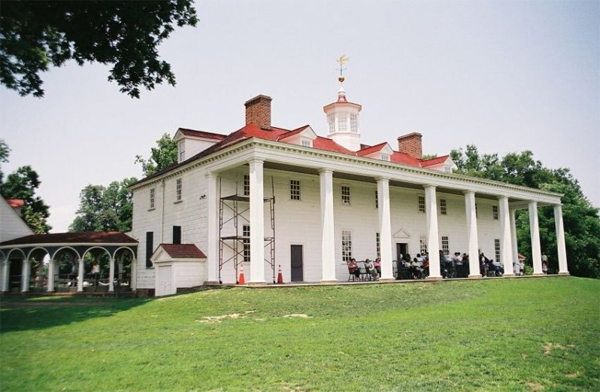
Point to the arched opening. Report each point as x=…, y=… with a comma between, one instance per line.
x=96, y=264
x=124, y=261
x=66, y=267
x=38, y=270
x=14, y=269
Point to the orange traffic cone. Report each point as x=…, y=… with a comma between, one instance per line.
x=280, y=276
x=242, y=280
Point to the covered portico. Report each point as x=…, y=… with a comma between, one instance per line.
x=119, y=248
x=259, y=154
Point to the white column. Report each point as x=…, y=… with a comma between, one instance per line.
x=385, y=229
x=515, y=246
x=563, y=268
x=474, y=272
x=25, y=276
x=111, y=275
x=257, y=224
x=433, y=242
x=536, y=249
x=506, y=253
x=212, y=258
x=327, y=227
x=6, y=276
x=51, y=275
x=80, y=272
x=133, y=278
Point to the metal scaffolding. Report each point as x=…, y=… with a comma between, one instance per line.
x=233, y=213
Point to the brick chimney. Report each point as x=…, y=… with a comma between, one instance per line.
x=258, y=111
x=411, y=145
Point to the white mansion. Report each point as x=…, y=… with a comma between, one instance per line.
x=264, y=197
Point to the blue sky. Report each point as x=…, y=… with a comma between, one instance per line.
x=506, y=76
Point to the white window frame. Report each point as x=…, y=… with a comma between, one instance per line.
x=495, y=213
x=422, y=244
x=178, y=189
x=445, y=244
x=354, y=122
x=498, y=251
x=181, y=150
x=343, y=122
x=246, y=185
x=331, y=122
x=421, y=203
x=385, y=157
x=305, y=142
x=295, y=190
x=346, y=195
x=152, y=198
x=346, y=246
x=246, y=243
x=443, y=207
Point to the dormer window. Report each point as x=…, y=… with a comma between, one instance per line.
x=306, y=142
x=181, y=150
x=385, y=157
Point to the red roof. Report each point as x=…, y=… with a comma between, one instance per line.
x=207, y=135
x=95, y=237
x=371, y=150
x=183, y=251
x=294, y=132
x=16, y=203
x=434, y=161
x=404, y=159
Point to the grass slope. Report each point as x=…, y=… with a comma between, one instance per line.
x=500, y=334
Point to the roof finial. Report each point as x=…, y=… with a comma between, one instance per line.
x=343, y=59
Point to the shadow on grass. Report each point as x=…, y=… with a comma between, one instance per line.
x=36, y=315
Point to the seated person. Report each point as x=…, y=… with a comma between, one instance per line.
x=377, y=266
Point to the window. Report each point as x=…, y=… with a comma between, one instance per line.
x=181, y=148
x=149, y=248
x=178, y=189
x=343, y=122
x=331, y=121
x=246, y=185
x=246, y=242
x=495, y=212
x=376, y=199
x=294, y=189
x=354, y=122
x=421, y=203
x=443, y=207
x=306, y=142
x=177, y=234
x=497, y=249
x=152, y=191
x=345, y=194
x=378, y=244
x=385, y=157
x=445, y=244
x=346, y=246
x=423, y=244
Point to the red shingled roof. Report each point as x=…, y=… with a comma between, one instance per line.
x=16, y=203
x=434, y=161
x=404, y=159
x=371, y=149
x=183, y=251
x=207, y=135
x=96, y=237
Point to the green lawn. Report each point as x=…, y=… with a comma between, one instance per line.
x=496, y=334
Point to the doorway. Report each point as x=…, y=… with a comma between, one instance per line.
x=297, y=264
x=401, y=251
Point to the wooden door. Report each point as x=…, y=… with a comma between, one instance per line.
x=297, y=263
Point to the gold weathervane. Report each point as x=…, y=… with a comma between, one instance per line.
x=343, y=59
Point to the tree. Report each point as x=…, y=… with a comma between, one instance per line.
x=161, y=157
x=4, y=152
x=126, y=34
x=22, y=184
x=105, y=208
x=580, y=218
